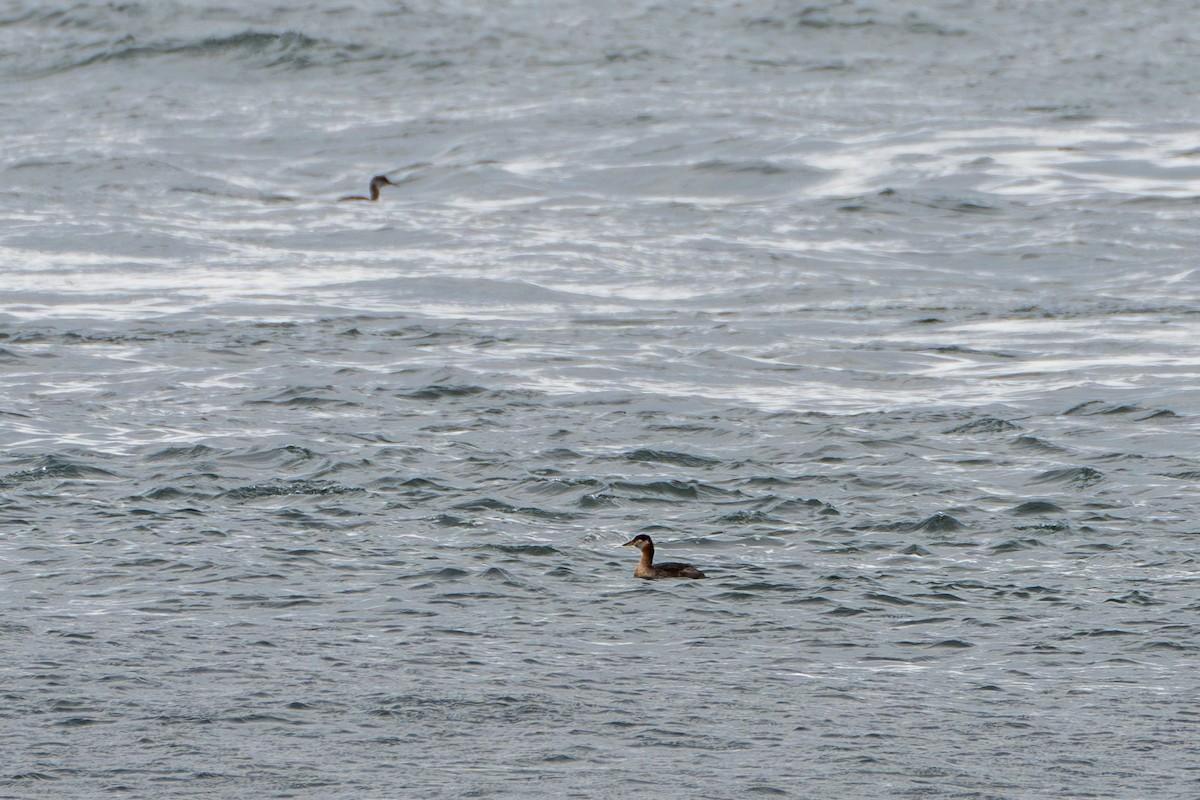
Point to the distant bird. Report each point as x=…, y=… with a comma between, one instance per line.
x=376, y=182
x=646, y=569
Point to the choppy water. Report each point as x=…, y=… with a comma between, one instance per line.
x=884, y=315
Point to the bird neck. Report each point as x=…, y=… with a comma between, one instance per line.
x=647, y=555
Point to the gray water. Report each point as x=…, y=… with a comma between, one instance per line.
x=883, y=315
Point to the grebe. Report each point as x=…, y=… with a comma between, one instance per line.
x=646, y=568
x=376, y=182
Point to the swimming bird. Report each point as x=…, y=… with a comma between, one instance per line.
x=646, y=568
x=376, y=182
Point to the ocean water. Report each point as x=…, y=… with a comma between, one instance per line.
x=885, y=315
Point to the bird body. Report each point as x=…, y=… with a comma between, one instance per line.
x=647, y=569
x=376, y=182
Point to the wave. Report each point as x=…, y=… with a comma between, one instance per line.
x=652, y=456
x=291, y=488
x=288, y=50
x=52, y=467
x=1076, y=477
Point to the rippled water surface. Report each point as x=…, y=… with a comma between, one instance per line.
x=883, y=315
